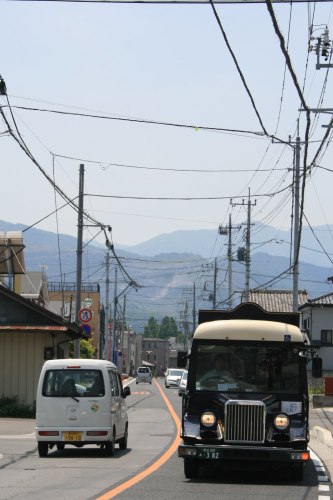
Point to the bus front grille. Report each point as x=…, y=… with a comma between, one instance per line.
x=244, y=422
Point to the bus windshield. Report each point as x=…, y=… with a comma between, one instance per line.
x=274, y=369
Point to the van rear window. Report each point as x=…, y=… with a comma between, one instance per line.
x=83, y=383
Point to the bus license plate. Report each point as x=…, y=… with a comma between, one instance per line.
x=72, y=436
x=209, y=453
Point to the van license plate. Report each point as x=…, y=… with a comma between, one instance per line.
x=72, y=436
x=209, y=453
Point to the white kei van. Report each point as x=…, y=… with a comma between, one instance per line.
x=80, y=402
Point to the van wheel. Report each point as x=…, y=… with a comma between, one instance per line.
x=60, y=446
x=43, y=448
x=109, y=447
x=191, y=468
x=123, y=440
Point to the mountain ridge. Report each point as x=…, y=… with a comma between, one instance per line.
x=166, y=279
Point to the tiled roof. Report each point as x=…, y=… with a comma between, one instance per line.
x=277, y=300
x=324, y=300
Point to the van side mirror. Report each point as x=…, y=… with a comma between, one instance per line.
x=181, y=359
x=126, y=391
x=317, y=367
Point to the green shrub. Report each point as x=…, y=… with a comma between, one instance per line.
x=316, y=388
x=12, y=408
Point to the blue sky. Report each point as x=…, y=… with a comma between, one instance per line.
x=164, y=63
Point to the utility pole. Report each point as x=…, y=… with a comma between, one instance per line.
x=297, y=235
x=115, y=301
x=186, y=327
x=248, y=250
x=229, y=264
x=194, y=311
x=79, y=259
x=215, y=281
x=123, y=324
x=227, y=230
x=247, y=244
x=296, y=219
x=107, y=334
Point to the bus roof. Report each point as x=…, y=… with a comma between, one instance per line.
x=244, y=329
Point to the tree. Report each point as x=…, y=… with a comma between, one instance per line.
x=87, y=350
x=152, y=328
x=168, y=328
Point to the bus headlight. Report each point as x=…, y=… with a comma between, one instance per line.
x=208, y=419
x=281, y=421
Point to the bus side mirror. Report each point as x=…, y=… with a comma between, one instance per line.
x=317, y=367
x=181, y=359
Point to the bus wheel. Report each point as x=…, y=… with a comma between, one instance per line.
x=191, y=468
x=43, y=448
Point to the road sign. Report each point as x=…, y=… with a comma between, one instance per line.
x=86, y=328
x=85, y=315
x=88, y=302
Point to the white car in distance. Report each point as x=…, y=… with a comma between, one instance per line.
x=182, y=384
x=172, y=377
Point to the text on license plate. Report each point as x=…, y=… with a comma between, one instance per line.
x=209, y=453
x=72, y=436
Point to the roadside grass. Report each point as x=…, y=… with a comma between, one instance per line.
x=12, y=408
x=316, y=387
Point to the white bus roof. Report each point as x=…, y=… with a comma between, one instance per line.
x=247, y=329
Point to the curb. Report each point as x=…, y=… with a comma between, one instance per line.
x=322, y=435
x=320, y=401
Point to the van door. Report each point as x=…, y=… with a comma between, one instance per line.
x=116, y=403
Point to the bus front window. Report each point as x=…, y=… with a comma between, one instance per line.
x=247, y=368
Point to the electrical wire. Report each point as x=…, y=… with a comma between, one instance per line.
x=19, y=140
x=148, y=122
x=238, y=68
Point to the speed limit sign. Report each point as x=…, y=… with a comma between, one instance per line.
x=85, y=315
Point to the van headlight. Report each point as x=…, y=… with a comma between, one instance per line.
x=208, y=419
x=281, y=421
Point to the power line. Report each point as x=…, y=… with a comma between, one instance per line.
x=143, y=121
x=186, y=198
x=238, y=67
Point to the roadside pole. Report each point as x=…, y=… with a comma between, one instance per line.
x=79, y=260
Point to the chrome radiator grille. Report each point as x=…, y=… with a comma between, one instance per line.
x=244, y=422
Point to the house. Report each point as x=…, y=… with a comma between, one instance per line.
x=277, y=300
x=29, y=334
x=156, y=353
x=317, y=321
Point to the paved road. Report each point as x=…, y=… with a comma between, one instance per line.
x=84, y=474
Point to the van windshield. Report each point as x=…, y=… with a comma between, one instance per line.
x=247, y=368
x=70, y=383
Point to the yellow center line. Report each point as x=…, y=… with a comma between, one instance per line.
x=156, y=465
